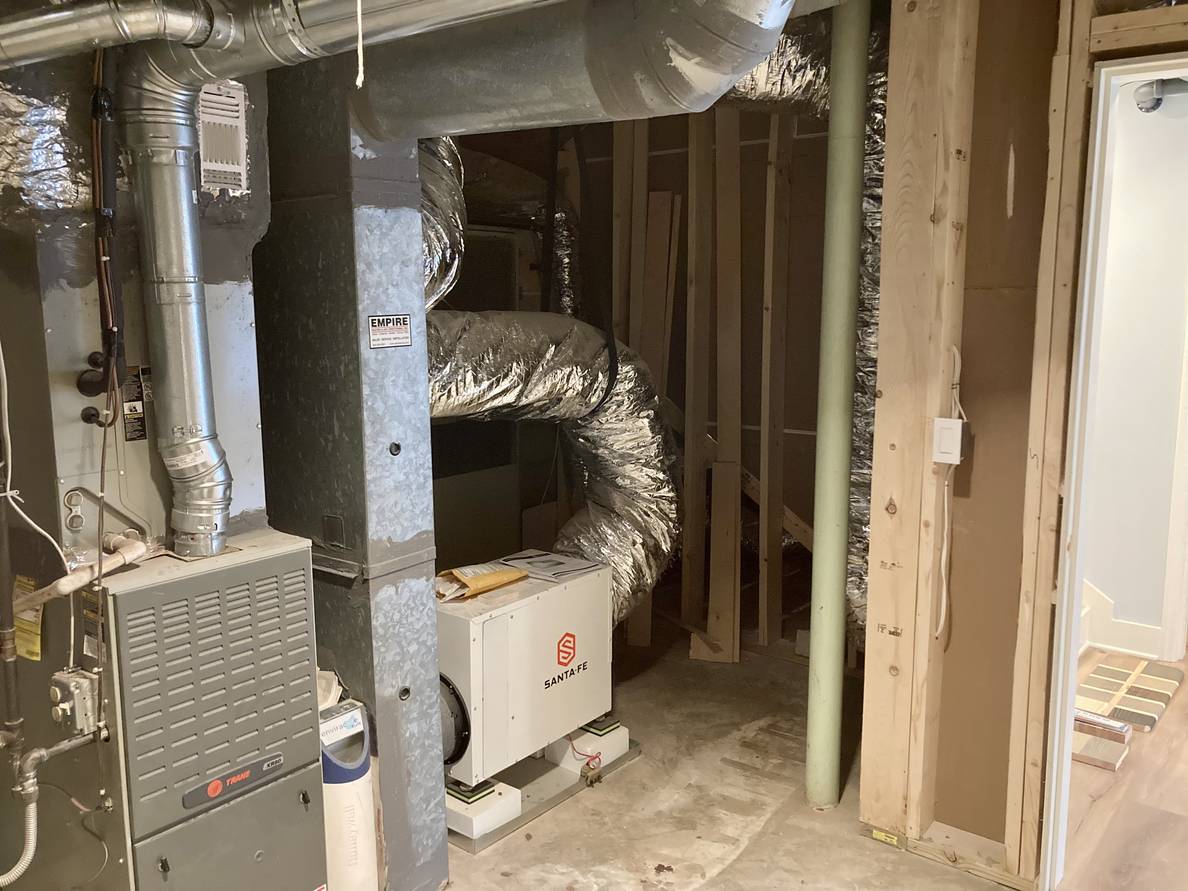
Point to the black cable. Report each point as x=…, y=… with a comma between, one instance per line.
x=603, y=301
x=103, y=197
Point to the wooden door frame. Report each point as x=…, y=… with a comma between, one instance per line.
x=1065, y=641
x=1086, y=38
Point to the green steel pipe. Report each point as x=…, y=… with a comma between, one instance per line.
x=835, y=398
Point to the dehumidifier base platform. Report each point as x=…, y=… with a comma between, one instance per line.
x=541, y=784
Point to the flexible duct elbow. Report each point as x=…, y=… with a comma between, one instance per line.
x=606, y=60
x=73, y=28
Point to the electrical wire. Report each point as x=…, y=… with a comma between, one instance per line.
x=8, y=492
x=86, y=813
x=957, y=410
x=593, y=759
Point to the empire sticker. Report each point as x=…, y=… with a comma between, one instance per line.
x=389, y=331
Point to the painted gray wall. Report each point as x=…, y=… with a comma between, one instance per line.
x=1135, y=385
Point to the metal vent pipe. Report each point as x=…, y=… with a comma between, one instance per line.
x=73, y=28
x=575, y=62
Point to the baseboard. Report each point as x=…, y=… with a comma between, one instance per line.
x=1103, y=630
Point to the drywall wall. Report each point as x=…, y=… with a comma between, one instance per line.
x=1137, y=362
x=1008, y=157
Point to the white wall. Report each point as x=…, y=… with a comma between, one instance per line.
x=1138, y=361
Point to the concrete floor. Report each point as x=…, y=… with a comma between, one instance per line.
x=715, y=799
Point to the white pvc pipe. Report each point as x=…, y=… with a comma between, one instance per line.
x=125, y=550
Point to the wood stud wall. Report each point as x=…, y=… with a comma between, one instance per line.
x=930, y=92
x=643, y=297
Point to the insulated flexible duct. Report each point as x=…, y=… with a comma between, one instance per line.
x=795, y=77
x=541, y=366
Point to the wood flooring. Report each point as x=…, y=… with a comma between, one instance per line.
x=1128, y=831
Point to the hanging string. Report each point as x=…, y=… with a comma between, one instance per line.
x=359, y=42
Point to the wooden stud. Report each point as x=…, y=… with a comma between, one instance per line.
x=1055, y=306
x=774, y=364
x=929, y=124
x=674, y=250
x=639, y=222
x=653, y=311
x=799, y=528
x=722, y=624
x=623, y=165
x=697, y=332
x=1163, y=27
x=650, y=344
x=725, y=519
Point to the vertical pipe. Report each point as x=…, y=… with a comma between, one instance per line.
x=161, y=136
x=835, y=396
x=8, y=656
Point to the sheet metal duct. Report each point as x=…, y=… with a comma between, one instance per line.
x=542, y=366
x=73, y=28
x=575, y=62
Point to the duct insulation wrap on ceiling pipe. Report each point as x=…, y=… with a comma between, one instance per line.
x=577, y=61
x=540, y=366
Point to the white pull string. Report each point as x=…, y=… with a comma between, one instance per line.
x=359, y=42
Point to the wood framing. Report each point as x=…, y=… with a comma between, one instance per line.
x=623, y=162
x=1084, y=37
x=929, y=122
x=1145, y=30
x=771, y=411
x=639, y=225
x=653, y=314
x=725, y=520
x=697, y=333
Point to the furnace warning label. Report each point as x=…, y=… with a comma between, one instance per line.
x=133, y=394
x=388, y=331
x=28, y=623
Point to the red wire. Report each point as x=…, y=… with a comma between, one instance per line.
x=593, y=761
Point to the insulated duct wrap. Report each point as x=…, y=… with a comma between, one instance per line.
x=443, y=215
x=795, y=77
x=41, y=167
x=542, y=366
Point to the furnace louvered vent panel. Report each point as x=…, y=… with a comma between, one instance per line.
x=213, y=681
x=222, y=136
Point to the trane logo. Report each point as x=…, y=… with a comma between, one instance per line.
x=229, y=783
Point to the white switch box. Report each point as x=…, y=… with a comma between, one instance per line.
x=946, y=440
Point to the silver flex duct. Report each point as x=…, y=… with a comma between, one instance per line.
x=541, y=366
x=795, y=77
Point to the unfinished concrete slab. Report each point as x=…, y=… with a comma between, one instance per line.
x=716, y=799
